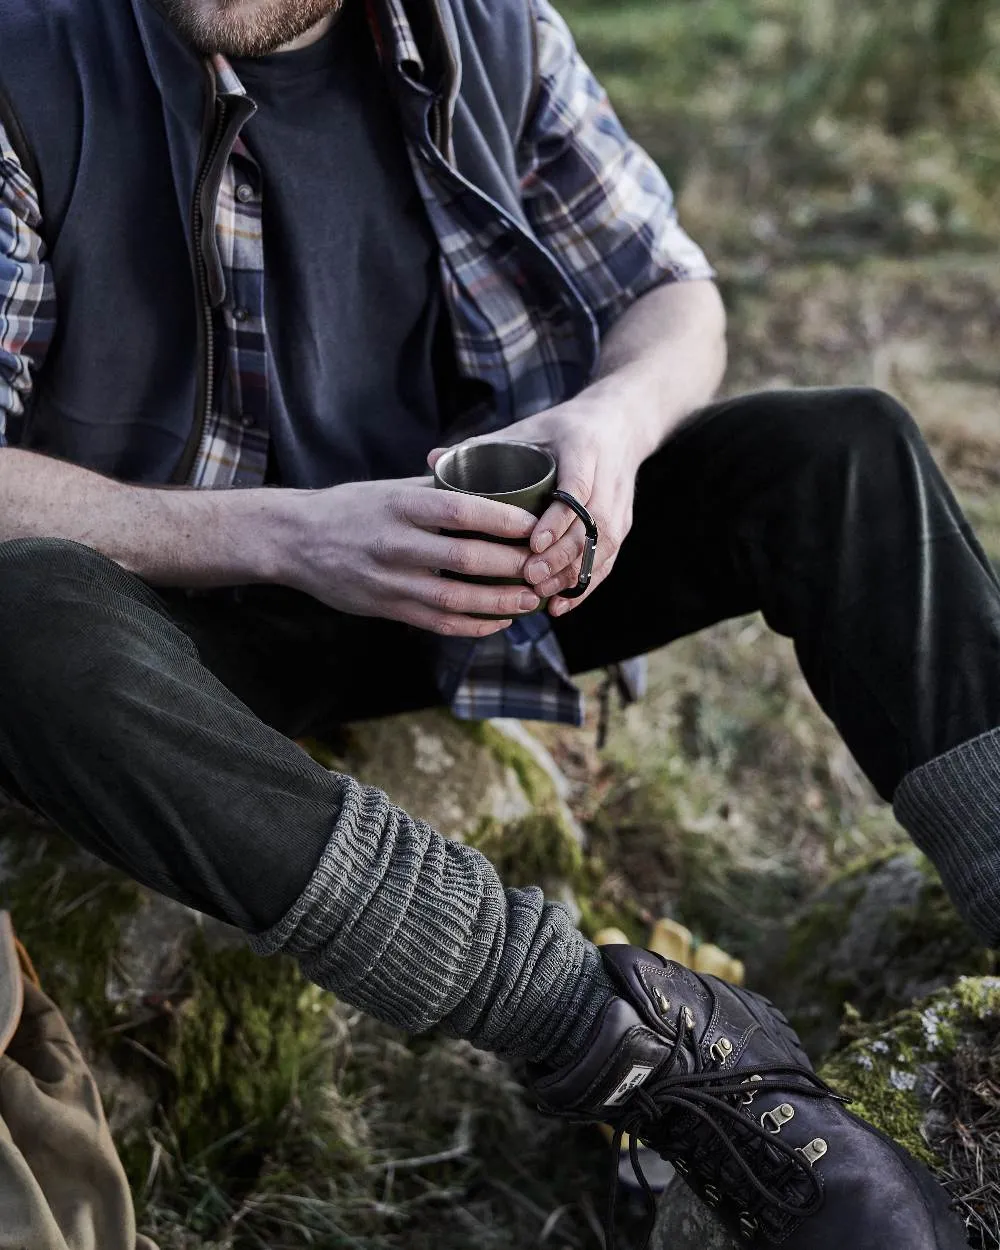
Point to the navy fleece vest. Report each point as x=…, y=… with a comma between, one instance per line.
x=111, y=110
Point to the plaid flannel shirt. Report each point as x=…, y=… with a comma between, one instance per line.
x=593, y=199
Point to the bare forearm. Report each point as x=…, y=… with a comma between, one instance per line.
x=664, y=359
x=169, y=537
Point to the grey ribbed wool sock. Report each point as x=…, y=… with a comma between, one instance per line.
x=417, y=930
x=951, y=808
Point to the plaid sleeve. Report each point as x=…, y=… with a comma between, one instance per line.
x=27, y=295
x=591, y=194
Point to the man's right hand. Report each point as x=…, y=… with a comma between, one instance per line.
x=374, y=548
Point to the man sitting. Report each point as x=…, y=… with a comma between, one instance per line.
x=259, y=261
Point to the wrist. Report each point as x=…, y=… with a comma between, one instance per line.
x=621, y=408
x=268, y=531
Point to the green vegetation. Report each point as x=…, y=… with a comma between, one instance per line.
x=889, y=1070
x=830, y=126
x=68, y=911
x=841, y=165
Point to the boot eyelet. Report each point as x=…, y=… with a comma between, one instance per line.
x=773, y=1120
x=721, y=1050
x=662, y=1002
x=711, y=1195
x=748, y=1098
x=748, y=1225
x=688, y=1018
x=814, y=1151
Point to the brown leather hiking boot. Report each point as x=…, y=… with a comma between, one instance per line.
x=715, y=1080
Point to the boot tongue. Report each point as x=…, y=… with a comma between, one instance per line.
x=647, y=982
x=620, y=1056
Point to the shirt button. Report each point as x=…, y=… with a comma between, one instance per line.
x=240, y=313
x=244, y=193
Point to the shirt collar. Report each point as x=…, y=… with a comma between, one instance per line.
x=226, y=81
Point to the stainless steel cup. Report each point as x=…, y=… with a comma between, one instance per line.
x=516, y=473
x=520, y=474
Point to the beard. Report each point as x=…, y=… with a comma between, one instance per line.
x=245, y=28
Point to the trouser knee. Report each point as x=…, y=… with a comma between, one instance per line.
x=66, y=612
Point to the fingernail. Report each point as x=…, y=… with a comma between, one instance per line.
x=528, y=602
x=544, y=541
x=537, y=571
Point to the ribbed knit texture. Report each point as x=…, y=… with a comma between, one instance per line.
x=418, y=930
x=951, y=808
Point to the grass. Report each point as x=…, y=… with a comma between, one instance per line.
x=832, y=128
x=833, y=160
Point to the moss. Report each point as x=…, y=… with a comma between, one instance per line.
x=537, y=847
x=979, y=997
x=883, y=933
x=886, y=1070
x=237, y=1048
x=68, y=911
x=534, y=780
x=934, y=928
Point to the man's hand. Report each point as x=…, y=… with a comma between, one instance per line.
x=373, y=548
x=661, y=361
x=597, y=464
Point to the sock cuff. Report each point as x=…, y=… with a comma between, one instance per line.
x=418, y=930
x=950, y=806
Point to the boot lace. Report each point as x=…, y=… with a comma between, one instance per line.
x=709, y=1100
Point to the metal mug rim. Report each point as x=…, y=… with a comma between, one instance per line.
x=497, y=442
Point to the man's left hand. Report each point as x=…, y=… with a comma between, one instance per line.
x=598, y=459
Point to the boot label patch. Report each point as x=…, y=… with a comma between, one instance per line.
x=636, y=1075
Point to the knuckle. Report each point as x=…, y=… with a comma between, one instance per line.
x=453, y=510
x=462, y=557
x=504, y=602
x=578, y=485
x=382, y=549
x=447, y=597
x=395, y=504
x=575, y=543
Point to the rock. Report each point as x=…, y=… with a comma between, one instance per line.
x=929, y=1077
x=683, y=1222
x=437, y=768
x=879, y=937
x=175, y=1016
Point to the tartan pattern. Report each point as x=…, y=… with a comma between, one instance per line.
x=604, y=231
x=519, y=673
x=27, y=293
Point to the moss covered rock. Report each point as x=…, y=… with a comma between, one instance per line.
x=880, y=936
x=230, y=1080
x=451, y=773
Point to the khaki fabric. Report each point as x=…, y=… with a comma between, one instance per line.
x=62, y=1185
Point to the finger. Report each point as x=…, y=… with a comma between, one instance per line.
x=560, y=607
x=451, y=510
x=576, y=478
x=541, y=570
x=434, y=455
x=563, y=581
x=450, y=597
x=475, y=557
x=447, y=624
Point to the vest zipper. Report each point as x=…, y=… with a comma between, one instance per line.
x=206, y=382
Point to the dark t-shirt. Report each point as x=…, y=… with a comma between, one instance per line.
x=353, y=299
